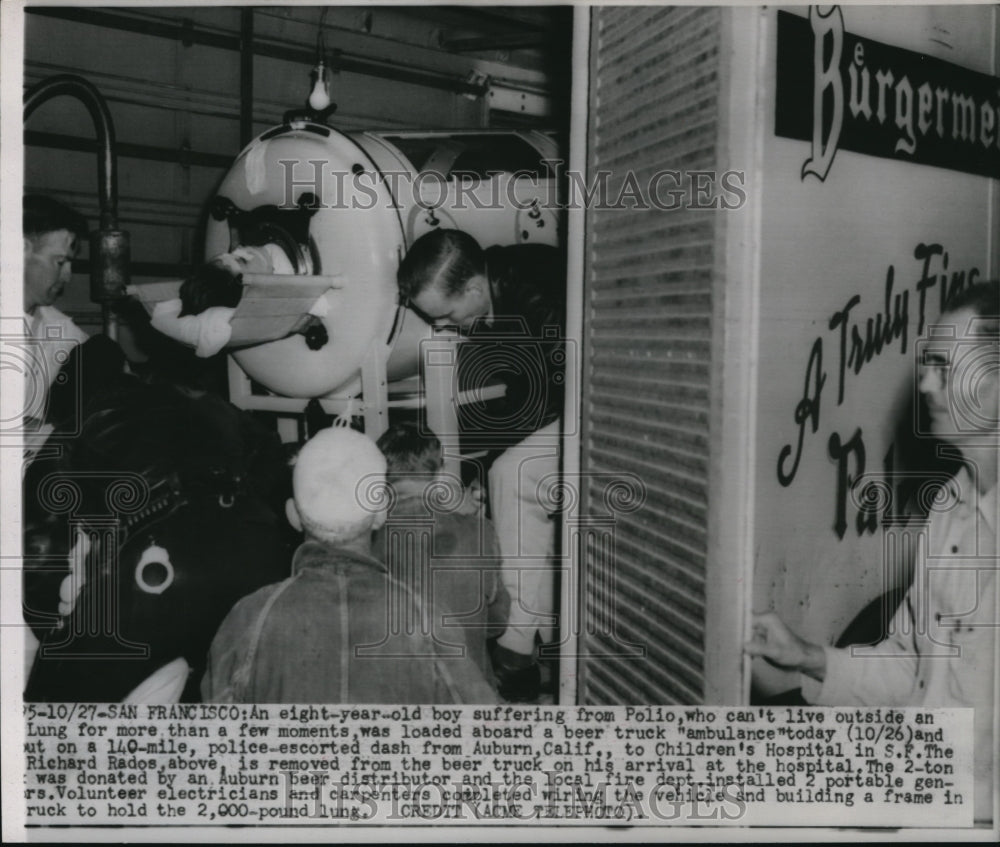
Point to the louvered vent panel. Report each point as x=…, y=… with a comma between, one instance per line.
x=647, y=347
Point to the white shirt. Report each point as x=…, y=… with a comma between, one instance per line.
x=940, y=647
x=208, y=332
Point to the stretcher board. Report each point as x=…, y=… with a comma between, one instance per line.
x=272, y=305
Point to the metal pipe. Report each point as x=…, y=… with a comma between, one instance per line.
x=86, y=93
x=109, y=246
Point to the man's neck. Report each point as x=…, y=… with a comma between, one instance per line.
x=987, y=476
x=360, y=544
x=407, y=488
x=982, y=466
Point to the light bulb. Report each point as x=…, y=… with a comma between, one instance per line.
x=319, y=99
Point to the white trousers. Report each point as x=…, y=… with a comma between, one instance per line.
x=521, y=480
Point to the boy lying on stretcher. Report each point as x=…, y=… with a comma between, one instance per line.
x=202, y=315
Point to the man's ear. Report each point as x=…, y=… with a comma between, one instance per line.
x=29, y=247
x=292, y=513
x=476, y=285
x=379, y=520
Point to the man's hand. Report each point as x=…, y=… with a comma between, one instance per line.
x=776, y=643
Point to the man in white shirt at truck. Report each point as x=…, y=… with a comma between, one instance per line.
x=939, y=651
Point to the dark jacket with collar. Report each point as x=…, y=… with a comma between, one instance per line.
x=328, y=635
x=523, y=345
x=458, y=558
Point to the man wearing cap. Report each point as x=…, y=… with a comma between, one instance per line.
x=340, y=629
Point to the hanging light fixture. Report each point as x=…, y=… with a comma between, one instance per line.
x=319, y=97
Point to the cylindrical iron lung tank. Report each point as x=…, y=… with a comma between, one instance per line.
x=350, y=205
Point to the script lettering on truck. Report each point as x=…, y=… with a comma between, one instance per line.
x=838, y=90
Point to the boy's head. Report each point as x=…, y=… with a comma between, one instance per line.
x=219, y=281
x=336, y=486
x=413, y=458
x=211, y=284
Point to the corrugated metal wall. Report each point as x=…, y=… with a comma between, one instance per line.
x=172, y=78
x=647, y=349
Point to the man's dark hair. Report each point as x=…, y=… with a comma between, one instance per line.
x=445, y=257
x=409, y=452
x=983, y=298
x=43, y=215
x=210, y=285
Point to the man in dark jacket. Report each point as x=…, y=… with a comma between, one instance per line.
x=511, y=302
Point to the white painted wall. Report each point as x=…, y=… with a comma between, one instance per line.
x=794, y=257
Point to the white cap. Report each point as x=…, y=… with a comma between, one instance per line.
x=338, y=482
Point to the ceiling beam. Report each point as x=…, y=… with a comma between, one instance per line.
x=519, y=41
